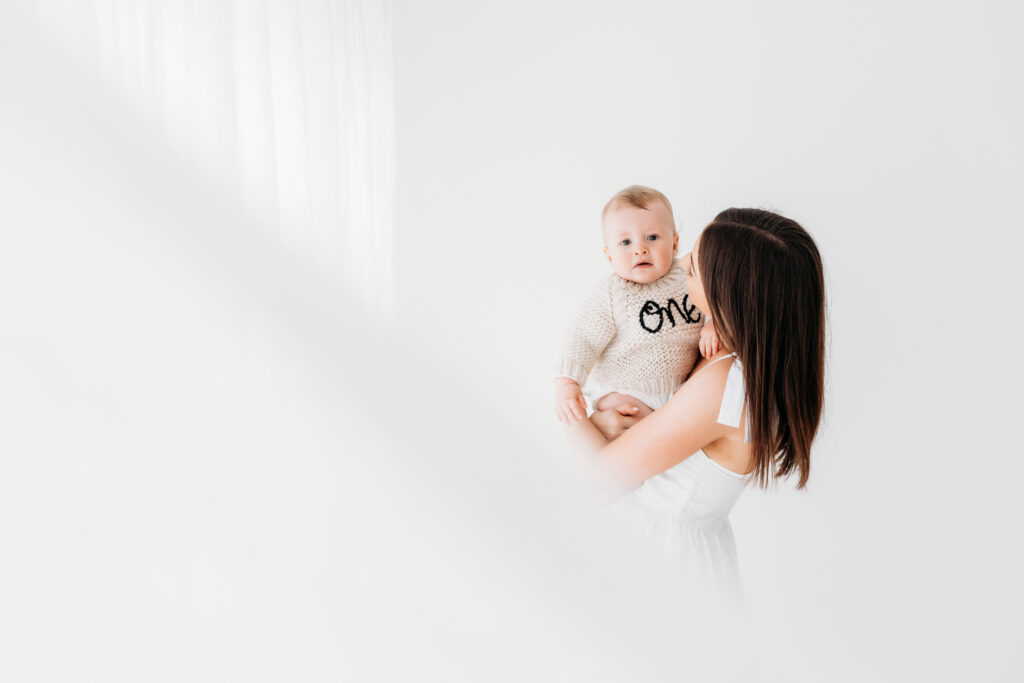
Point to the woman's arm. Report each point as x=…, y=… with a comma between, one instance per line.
x=688, y=422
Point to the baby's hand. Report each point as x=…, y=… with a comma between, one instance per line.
x=570, y=405
x=709, y=344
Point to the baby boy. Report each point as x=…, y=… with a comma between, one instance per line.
x=637, y=336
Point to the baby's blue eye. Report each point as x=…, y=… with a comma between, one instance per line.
x=624, y=243
x=652, y=237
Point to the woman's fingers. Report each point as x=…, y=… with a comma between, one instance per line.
x=572, y=410
x=565, y=411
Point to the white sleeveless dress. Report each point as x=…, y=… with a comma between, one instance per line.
x=684, y=512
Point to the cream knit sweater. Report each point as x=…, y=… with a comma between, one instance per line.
x=633, y=337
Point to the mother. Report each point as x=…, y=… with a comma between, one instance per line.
x=750, y=412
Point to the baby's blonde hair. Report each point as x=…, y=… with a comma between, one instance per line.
x=640, y=197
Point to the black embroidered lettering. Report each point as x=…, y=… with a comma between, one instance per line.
x=687, y=313
x=651, y=308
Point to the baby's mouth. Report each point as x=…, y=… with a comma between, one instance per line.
x=645, y=263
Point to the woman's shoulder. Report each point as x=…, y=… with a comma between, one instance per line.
x=723, y=361
x=716, y=383
x=706, y=384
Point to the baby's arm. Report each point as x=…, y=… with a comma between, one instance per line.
x=709, y=344
x=590, y=331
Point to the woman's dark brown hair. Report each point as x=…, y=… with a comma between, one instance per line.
x=764, y=283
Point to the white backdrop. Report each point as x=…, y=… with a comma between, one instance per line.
x=215, y=465
x=891, y=131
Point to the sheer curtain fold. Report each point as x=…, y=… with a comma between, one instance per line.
x=285, y=105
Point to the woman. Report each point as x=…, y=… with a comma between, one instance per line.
x=750, y=412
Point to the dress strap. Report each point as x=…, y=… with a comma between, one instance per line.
x=734, y=398
x=728, y=355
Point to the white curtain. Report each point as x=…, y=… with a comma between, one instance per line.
x=283, y=105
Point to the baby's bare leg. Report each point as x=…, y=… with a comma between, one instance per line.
x=616, y=399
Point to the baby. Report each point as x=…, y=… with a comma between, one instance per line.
x=636, y=336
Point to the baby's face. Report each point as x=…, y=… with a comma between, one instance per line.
x=640, y=243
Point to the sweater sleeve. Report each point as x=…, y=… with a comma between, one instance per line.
x=591, y=329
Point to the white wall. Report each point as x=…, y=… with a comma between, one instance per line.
x=215, y=466
x=891, y=131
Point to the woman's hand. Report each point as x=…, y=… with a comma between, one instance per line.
x=612, y=422
x=618, y=400
x=570, y=406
